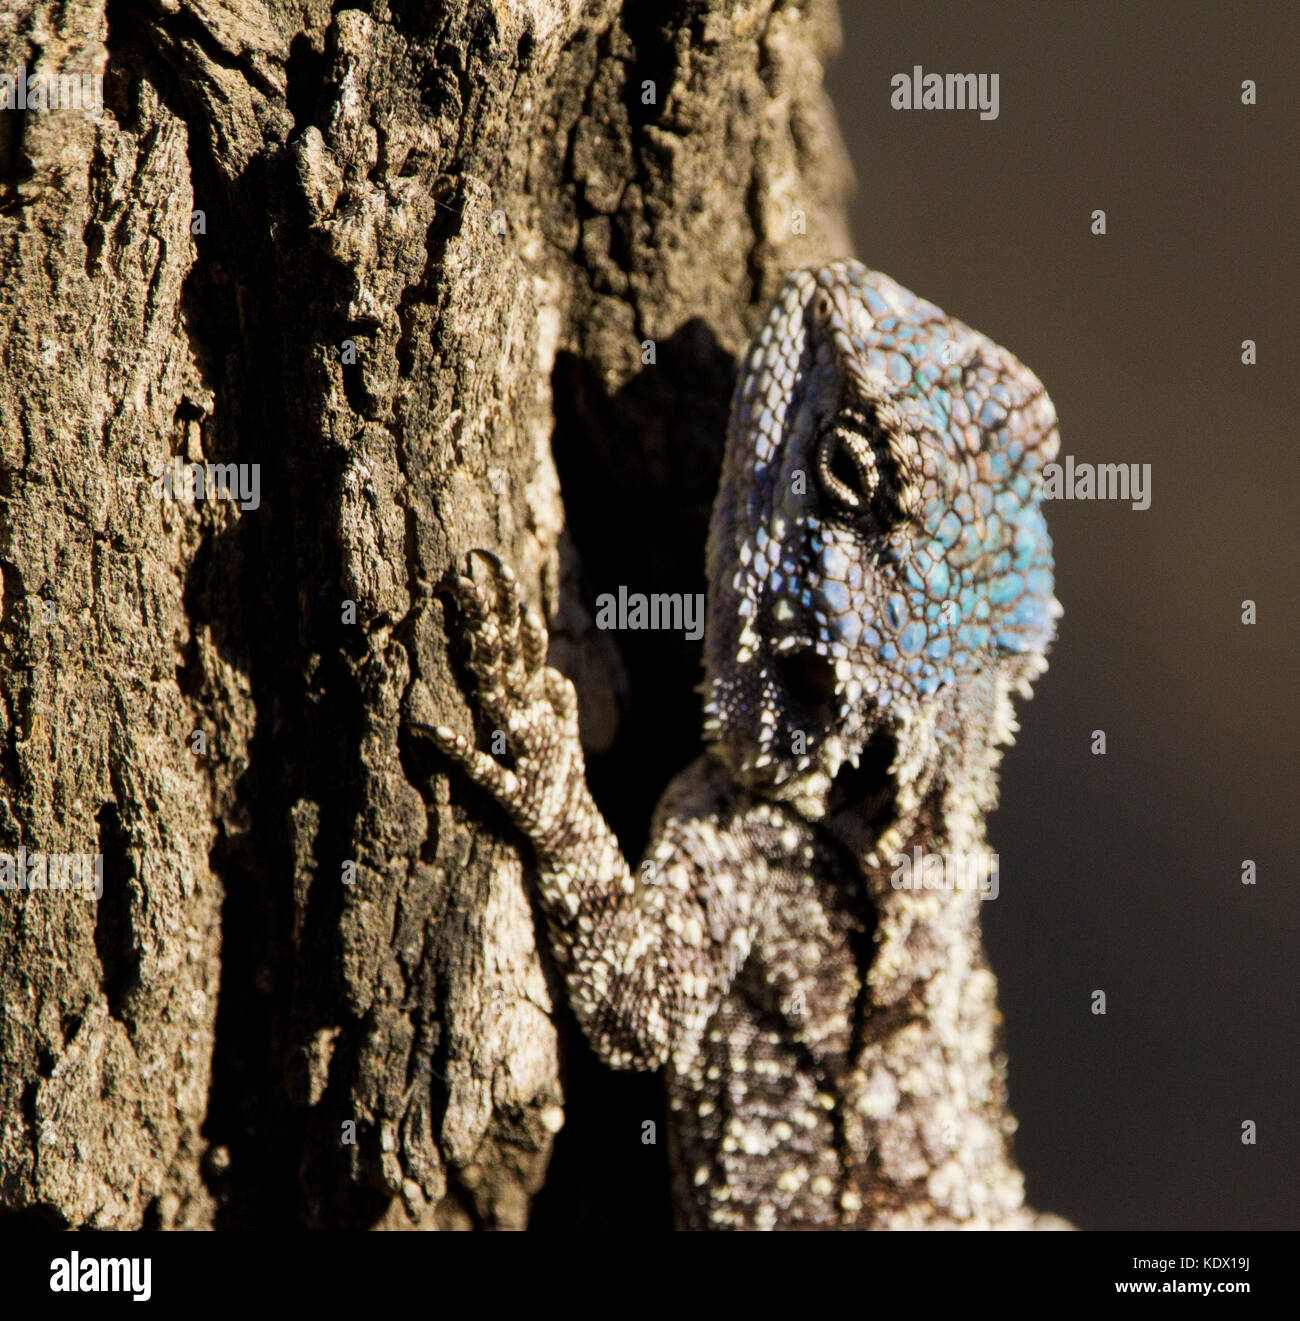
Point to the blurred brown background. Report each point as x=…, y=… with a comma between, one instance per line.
x=1122, y=873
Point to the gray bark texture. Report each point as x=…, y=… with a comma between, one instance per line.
x=452, y=275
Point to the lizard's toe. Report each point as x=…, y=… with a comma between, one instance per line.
x=481, y=626
x=533, y=636
x=510, y=617
x=486, y=772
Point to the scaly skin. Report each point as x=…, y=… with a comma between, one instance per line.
x=880, y=582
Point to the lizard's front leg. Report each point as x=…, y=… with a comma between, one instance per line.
x=648, y=955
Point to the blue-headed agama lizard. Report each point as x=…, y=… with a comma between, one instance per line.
x=880, y=584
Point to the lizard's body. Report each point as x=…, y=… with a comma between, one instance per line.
x=880, y=582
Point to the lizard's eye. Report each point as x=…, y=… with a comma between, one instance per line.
x=858, y=470
x=846, y=469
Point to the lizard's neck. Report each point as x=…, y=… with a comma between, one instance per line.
x=928, y=1089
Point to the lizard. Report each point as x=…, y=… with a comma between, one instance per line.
x=880, y=583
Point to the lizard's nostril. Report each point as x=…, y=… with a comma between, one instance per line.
x=808, y=677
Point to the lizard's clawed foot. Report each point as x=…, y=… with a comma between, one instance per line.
x=532, y=710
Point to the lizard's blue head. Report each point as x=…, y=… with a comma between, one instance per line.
x=880, y=569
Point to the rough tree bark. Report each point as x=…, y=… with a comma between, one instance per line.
x=409, y=259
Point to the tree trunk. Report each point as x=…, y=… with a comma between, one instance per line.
x=434, y=277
